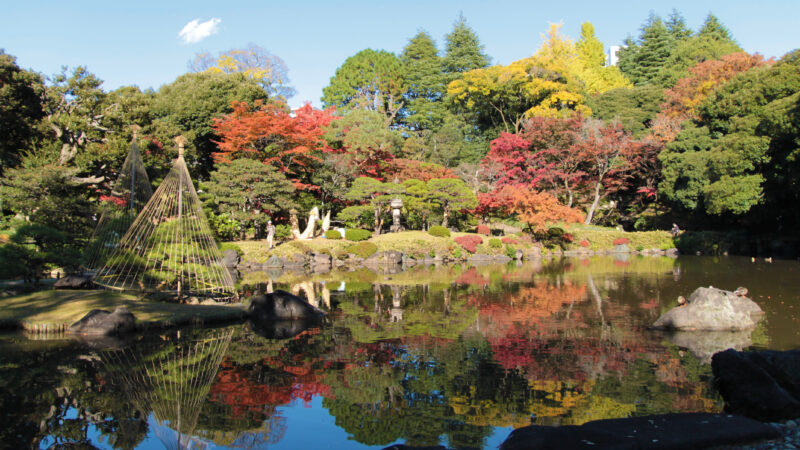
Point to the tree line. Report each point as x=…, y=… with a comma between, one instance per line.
x=686, y=128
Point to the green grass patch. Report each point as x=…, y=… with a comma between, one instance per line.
x=603, y=238
x=67, y=307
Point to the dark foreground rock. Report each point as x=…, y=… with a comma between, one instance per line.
x=763, y=385
x=668, y=431
x=74, y=282
x=714, y=310
x=99, y=322
x=281, y=305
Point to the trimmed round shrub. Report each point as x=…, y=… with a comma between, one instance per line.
x=585, y=243
x=621, y=241
x=333, y=234
x=363, y=249
x=568, y=237
x=439, y=231
x=357, y=234
x=495, y=243
x=508, y=240
x=484, y=230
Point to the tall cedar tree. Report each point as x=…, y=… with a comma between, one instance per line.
x=641, y=61
x=463, y=50
x=422, y=68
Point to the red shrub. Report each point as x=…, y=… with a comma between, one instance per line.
x=568, y=237
x=470, y=243
x=484, y=230
x=584, y=243
x=508, y=240
x=621, y=241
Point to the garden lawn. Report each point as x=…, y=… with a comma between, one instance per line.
x=66, y=307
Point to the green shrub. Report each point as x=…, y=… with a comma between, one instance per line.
x=333, y=234
x=511, y=251
x=439, y=231
x=357, y=234
x=457, y=253
x=283, y=232
x=363, y=249
x=231, y=246
x=495, y=243
x=639, y=248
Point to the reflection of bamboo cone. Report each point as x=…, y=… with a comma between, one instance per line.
x=173, y=386
x=270, y=287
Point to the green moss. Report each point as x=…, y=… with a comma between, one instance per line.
x=363, y=249
x=356, y=234
x=439, y=231
x=333, y=234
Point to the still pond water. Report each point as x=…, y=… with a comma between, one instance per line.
x=456, y=356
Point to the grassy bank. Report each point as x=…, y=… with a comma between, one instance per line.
x=420, y=244
x=56, y=310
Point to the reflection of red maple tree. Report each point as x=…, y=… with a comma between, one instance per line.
x=472, y=277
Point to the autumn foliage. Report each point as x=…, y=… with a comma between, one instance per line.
x=538, y=209
x=272, y=134
x=409, y=169
x=469, y=243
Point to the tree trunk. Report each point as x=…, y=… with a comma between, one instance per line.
x=445, y=216
x=569, y=194
x=596, y=202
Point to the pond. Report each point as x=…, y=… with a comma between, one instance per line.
x=452, y=355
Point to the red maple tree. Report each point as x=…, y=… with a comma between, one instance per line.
x=291, y=141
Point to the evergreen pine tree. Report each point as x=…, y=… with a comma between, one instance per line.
x=463, y=50
x=677, y=26
x=712, y=28
x=423, y=71
x=655, y=45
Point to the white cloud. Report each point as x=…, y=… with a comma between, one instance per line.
x=196, y=31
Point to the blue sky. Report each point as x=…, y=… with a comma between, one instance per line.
x=137, y=43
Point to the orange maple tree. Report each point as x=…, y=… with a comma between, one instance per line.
x=291, y=141
x=537, y=208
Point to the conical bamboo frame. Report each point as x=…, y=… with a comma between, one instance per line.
x=172, y=383
x=131, y=190
x=169, y=247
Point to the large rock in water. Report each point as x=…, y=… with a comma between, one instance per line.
x=100, y=322
x=712, y=309
x=763, y=385
x=281, y=305
x=667, y=431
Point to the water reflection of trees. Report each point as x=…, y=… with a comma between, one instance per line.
x=408, y=358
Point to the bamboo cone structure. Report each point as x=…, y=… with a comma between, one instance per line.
x=169, y=247
x=131, y=191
